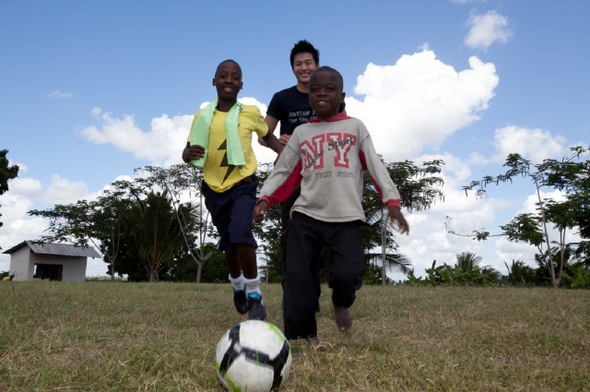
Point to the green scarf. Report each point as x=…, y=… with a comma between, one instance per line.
x=200, y=133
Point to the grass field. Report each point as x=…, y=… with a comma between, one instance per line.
x=102, y=336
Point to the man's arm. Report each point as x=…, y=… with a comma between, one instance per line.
x=271, y=141
x=271, y=123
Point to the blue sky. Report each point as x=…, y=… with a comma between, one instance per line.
x=91, y=90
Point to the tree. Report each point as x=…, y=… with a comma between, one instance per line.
x=184, y=269
x=569, y=175
x=468, y=262
x=117, y=220
x=465, y=272
x=373, y=275
x=128, y=261
x=7, y=173
x=520, y=274
x=179, y=181
x=157, y=232
x=110, y=210
x=419, y=188
x=98, y=222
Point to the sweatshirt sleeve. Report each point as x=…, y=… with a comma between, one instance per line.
x=283, y=180
x=387, y=190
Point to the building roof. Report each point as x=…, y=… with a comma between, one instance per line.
x=56, y=249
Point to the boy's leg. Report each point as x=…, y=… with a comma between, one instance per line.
x=236, y=279
x=285, y=225
x=247, y=259
x=285, y=210
x=219, y=205
x=346, y=265
x=300, y=298
x=242, y=239
x=231, y=212
x=233, y=266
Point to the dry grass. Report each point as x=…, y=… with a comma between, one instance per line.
x=161, y=337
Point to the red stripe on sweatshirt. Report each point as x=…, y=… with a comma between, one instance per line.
x=388, y=203
x=286, y=189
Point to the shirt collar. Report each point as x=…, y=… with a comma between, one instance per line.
x=339, y=117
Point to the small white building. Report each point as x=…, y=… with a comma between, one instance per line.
x=32, y=261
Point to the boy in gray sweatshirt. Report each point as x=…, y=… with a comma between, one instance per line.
x=326, y=158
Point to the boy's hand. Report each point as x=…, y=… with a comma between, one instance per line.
x=395, y=214
x=259, y=210
x=284, y=139
x=196, y=152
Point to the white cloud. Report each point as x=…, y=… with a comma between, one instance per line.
x=487, y=29
x=56, y=94
x=27, y=187
x=160, y=146
x=26, y=194
x=533, y=144
x=63, y=191
x=253, y=101
x=420, y=101
x=17, y=226
x=163, y=144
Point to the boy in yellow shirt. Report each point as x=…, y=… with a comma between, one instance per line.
x=221, y=142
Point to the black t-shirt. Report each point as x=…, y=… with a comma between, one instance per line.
x=291, y=107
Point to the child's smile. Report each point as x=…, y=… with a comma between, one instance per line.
x=325, y=93
x=228, y=81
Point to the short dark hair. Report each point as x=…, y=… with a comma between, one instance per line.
x=304, y=46
x=325, y=68
x=227, y=61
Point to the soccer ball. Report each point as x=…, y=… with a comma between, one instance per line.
x=253, y=356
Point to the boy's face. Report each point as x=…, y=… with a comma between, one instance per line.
x=228, y=81
x=303, y=66
x=325, y=93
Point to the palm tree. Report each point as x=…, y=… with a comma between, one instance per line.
x=418, y=187
x=470, y=270
x=468, y=262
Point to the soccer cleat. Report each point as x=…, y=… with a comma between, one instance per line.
x=256, y=309
x=240, y=301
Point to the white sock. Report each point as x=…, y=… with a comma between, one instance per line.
x=251, y=286
x=237, y=283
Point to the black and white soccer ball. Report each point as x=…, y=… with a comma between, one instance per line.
x=253, y=356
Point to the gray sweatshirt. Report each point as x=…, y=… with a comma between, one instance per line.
x=327, y=159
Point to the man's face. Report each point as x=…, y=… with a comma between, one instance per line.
x=325, y=93
x=228, y=81
x=303, y=66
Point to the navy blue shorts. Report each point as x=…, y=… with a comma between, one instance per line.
x=231, y=213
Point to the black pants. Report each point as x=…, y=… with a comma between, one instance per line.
x=285, y=225
x=307, y=237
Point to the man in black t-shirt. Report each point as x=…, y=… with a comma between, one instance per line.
x=291, y=106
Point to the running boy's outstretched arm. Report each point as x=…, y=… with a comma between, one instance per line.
x=395, y=214
x=259, y=210
x=271, y=141
x=192, y=153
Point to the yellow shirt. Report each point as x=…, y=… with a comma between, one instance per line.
x=216, y=172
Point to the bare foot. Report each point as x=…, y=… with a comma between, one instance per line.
x=313, y=341
x=343, y=318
